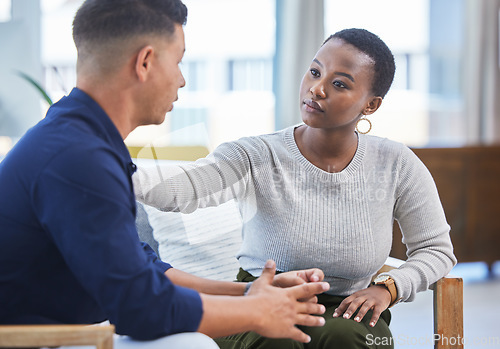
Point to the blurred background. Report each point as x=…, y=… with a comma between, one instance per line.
x=244, y=61
x=243, y=65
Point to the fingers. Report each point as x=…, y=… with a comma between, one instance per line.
x=342, y=307
x=363, y=309
x=308, y=290
x=311, y=308
x=376, y=299
x=310, y=320
x=349, y=306
x=311, y=275
x=268, y=272
x=299, y=336
x=288, y=279
x=315, y=275
x=376, y=315
x=353, y=306
x=312, y=299
x=292, y=278
x=367, y=305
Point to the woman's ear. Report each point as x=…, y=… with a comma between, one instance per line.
x=143, y=63
x=372, y=106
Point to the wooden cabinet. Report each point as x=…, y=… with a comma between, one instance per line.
x=468, y=182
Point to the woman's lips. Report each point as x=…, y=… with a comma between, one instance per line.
x=312, y=105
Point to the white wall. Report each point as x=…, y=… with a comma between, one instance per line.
x=20, y=103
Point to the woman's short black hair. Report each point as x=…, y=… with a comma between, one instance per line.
x=101, y=21
x=376, y=49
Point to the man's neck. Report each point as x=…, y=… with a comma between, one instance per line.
x=113, y=100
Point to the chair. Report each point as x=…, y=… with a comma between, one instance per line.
x=24, y=336
x=448, y=323
x=184, y=153
x=447, y=307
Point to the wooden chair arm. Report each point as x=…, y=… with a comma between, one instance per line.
x=185, y=153
x=449, y=313
x=448, y=308
x=19, y=336
x=390, y=263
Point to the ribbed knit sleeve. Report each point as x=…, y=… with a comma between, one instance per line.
x=221, y=176
x=420, y=215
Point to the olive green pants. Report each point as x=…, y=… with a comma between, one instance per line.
x=336, y=333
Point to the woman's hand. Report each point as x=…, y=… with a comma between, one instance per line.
x=376, y=298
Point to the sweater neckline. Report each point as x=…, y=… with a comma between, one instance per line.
x=341, y=176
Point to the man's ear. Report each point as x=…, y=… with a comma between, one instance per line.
x=143, y=62
x=372, y=106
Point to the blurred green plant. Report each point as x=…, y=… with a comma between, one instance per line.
x=36, y=85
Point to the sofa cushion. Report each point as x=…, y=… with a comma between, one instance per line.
x=203, y=243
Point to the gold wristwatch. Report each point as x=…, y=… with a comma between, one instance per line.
x=388, y=282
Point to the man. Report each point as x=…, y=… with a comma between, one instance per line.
x=69, y=250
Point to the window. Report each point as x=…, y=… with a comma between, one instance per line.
x=194, y=73
x=424, y=106
x=250, y=74
x=227, y=68
x=228, y=71
x=5, y=10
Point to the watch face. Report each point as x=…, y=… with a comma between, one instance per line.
x=381, y=278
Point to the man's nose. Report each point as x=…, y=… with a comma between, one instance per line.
x=182, y=81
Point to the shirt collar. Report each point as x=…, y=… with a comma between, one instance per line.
x=107, y=128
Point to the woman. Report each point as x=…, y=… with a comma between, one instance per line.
x=323, y=195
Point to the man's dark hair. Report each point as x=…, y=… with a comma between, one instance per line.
x=99, y=21
x=377, y=50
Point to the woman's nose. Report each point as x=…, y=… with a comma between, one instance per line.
x=318, y=90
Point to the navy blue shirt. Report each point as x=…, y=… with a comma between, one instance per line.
x=69, y=249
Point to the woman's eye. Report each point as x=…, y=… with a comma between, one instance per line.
x=314, y=72
x=340, y=84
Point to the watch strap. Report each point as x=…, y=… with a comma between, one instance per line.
x=390, y=285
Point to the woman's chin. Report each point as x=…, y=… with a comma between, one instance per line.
x=311, y=122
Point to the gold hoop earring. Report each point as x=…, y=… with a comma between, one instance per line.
x=369, y=125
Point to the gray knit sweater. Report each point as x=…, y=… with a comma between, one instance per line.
x=303, y=217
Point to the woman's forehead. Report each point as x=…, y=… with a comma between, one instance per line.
x=338, y=51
